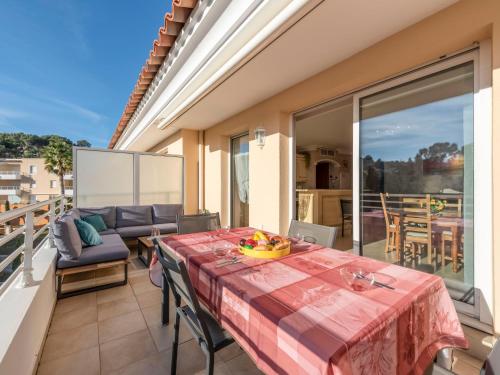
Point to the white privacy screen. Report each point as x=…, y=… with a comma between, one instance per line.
x=160, y=179
x=114, y=178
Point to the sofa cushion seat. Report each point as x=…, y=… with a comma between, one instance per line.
x=112, y=248
x=135, y=231
x=130, y=216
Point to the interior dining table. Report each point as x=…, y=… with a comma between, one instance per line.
x=299, y=315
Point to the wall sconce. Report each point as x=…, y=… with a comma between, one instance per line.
x=260, y=137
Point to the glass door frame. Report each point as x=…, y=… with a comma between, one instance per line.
x=231, y=168
x=483, y=189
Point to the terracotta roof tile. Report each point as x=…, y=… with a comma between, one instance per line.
x=167, y=34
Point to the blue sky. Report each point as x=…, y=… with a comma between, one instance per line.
x=399, y=135
x=67, y=67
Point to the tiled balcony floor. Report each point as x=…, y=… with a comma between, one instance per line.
x=119, y=331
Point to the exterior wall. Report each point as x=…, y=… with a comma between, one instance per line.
x=42, y=179
x=184, y=142
x=450, y=30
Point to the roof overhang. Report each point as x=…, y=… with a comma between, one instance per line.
x=253, y=52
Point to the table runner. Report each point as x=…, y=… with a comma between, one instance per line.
x=296, y=315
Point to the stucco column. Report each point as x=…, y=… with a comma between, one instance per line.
x=496, y=171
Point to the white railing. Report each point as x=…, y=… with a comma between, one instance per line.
x=10, y=174
x=31, y=234
x=10, y=187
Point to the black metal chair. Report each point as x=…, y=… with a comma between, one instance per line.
x=197, y=223
x=313, y=233
x=346, y=208
x=204, y=328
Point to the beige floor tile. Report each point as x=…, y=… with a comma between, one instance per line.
x=152, y=314
x=70, y=341
x=117, y=307
x=464, y=356
x=151, y=298
x=85, y=362
x=157, y=364
x=120, y=326
x=119, y=353
x=66, y=305
x=73, y=319
x=243, y=365
x=229, y=352
x=113, y=294
x=192, y=361
x=143, y=285
x=163, y=335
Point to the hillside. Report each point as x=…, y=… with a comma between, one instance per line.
x=22, y=145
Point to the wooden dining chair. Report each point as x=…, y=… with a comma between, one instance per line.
x=346, y=208
x=207, y=332
x=418, y=225
x=197, y=223
x=450, y=235
x=391, y=228
x=313, y=233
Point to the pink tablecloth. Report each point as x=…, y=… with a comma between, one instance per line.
x=296, y=315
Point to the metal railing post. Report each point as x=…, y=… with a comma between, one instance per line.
x=52, y=216
x=27, y=279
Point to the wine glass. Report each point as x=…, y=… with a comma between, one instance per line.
x=221, y=250
x=155, y=231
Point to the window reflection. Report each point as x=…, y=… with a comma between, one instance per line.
x=416, y=143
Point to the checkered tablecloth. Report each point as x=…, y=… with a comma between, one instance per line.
x=297, y=315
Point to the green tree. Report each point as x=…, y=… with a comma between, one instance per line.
x=82, y=143
x=58, y=159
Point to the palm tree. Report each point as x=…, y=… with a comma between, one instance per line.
x=58, y=159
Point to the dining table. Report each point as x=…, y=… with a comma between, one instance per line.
x=299, y=314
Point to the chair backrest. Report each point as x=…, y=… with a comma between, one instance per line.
x=313, y=233
x=346, y=207
x=179, y=282
x=197, y=223
x=384, y=207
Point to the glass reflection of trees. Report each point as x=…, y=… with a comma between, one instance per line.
x=438, y=168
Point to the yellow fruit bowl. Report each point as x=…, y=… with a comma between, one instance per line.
x=265, y=254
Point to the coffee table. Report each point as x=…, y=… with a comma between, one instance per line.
x=145, y=243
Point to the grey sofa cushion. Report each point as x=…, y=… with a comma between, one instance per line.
x=107, y=213
x=128, y=216
x=167, y=228
x=112, y=248
x=66, y=237
x=135, y=231
x=166, y=213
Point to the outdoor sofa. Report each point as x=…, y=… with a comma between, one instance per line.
x=122, y=223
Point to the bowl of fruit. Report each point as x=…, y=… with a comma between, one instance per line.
x=260, y=245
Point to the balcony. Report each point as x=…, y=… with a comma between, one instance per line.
x=68, y=177
x=68, y=192
x=10, y=175
x=10, y=190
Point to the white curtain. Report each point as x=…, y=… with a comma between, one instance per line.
x=241, y=170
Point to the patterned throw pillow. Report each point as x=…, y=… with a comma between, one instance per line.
x=96, y=221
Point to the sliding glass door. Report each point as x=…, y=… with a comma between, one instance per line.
x=416, y=175
x=239, y=181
